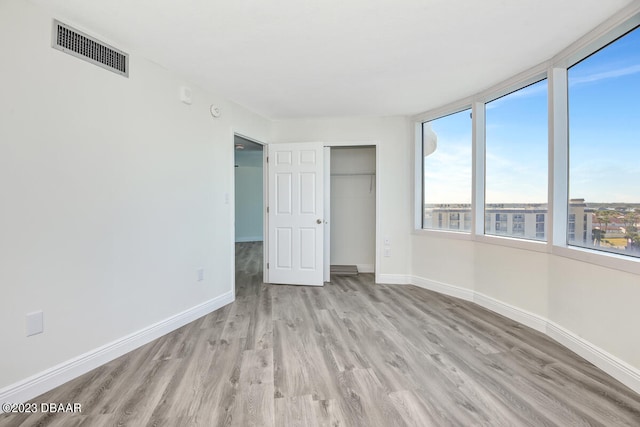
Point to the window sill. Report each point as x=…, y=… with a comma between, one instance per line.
x=599, y=258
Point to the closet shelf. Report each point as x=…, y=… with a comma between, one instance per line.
x=354, y=174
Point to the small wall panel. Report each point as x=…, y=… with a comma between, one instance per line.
x=284, y=158
x=284, y=245
x=307, y=193
x=307, y=157
x=283, y=194
x=308, y=241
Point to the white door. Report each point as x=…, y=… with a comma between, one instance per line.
x=295, y=232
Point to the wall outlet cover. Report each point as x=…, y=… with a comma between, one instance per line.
x=185, y=95
x=35, y=323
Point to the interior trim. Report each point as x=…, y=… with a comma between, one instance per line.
x=51, y=378
x=618, y=369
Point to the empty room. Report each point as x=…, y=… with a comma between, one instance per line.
x=286, y=213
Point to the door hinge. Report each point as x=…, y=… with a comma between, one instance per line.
x=267, y=159
x=267, y=266
x=267, y=209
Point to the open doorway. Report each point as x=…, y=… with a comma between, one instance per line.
x=347, y=207
x=249, y=207
x=353, y=210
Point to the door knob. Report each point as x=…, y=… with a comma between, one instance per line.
x=318, y=221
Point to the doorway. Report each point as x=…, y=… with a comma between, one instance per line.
x=351, y=219
x=249, y=184
x=249, y=207
x=353, y=210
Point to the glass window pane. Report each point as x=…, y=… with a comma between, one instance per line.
x=604, y=149
x=516, y=163
x=447, y=172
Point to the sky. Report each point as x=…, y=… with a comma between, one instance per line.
x=604, y=117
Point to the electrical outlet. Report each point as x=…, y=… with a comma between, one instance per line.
x=35, y=323
x=387, y=252
x=200, y=273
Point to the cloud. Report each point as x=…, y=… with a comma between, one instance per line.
x=604, y=75
x=448, y=172
x=603, y=180
x=526, y=92
x=515, y=180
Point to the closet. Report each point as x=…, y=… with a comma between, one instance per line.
x=353, y=209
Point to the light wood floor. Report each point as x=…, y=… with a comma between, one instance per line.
x=351, y=353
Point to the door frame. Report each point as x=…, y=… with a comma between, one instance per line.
x=265, y=245
x=232, y=202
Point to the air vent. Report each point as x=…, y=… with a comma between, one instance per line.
x=80, y=45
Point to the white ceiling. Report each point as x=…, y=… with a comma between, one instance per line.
x=327, y=58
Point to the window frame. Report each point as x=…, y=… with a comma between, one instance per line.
x=532, y=80
x=555, y=71
x=419, y=173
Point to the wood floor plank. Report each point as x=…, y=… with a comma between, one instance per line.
x=416, y=413
x=376, y=408
x=260, y=331
x=299, y=366
x=342, y=351
x=296, y=411
x=256, y=407
x=331, y=413
x=351, y=353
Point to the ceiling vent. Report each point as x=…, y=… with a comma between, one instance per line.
x=80, y=45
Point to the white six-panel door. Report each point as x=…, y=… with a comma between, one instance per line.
x=295, y=217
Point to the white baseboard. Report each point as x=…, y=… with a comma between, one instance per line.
x=366, y=268
x=618, y=369
x=53, y=377
x=512, y=312
x=443, y=288
x=249, y=239
x=393, y=279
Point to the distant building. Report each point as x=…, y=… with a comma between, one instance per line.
x=527, y=221
x=580, y=223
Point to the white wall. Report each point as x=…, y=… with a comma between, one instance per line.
x=112, y=193
x=353, y=207
x=249, y=188
x=394, y=136
x=597, y=306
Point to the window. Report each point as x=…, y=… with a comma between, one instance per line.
x=446, y=170
x=517, y=228
x=501, y=224
x=516, y=159
x=604, y=147
x=454, y=221
x=540, y=218
x=467, y=221
x=572, y=227
x=601, y=172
